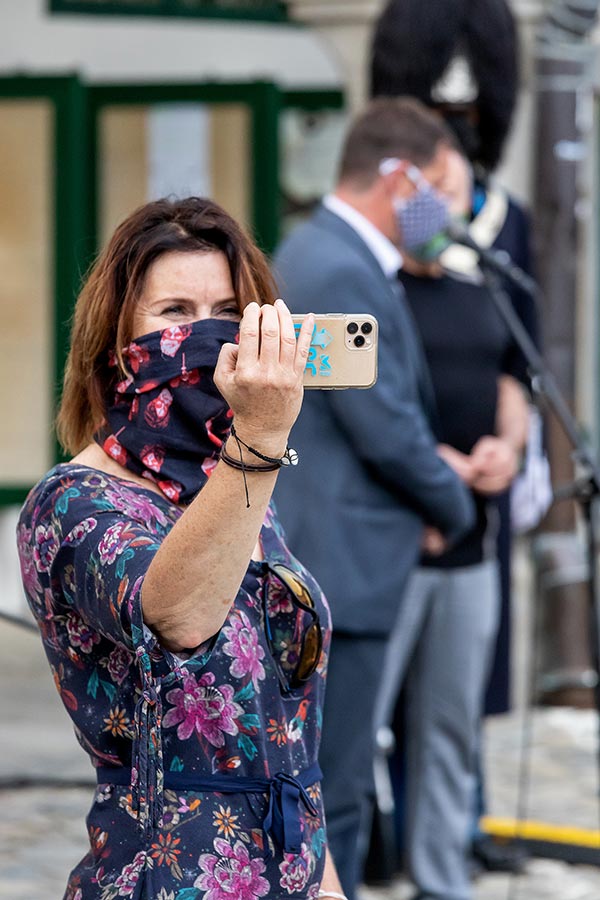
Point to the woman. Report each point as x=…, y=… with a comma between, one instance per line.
x=442, y=642
x=184, y=639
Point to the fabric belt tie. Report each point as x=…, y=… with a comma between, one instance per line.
x=285, y=792
x=282, y=821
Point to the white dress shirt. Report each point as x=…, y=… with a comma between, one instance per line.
x=387, y=255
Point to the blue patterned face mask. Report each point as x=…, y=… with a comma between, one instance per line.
x=433, y=249
x=423, y=216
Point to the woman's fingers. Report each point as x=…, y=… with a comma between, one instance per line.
x=295, y=346
x=303, y=343
x=250, y=329
x=287, y=348
x=269, y=336
x=261, y=377
x=268, y=341
x=227, y=360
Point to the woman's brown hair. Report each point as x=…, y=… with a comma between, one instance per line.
x=103, y=317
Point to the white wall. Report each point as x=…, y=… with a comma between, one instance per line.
x=12, y=597
x=119, y=48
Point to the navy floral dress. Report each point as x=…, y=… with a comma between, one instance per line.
x=154, y=724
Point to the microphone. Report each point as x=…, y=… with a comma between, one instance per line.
x=498, y=261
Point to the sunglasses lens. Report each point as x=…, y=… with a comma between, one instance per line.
x=312, y=639
x=295, y=585
x=311, y=653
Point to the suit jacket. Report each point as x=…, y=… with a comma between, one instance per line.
x=369, y=475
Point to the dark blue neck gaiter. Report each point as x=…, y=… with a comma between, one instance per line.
x=167, y=420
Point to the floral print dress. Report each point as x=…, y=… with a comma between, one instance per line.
x=86, y=540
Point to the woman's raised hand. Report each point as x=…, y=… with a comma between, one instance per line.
x=261, y=377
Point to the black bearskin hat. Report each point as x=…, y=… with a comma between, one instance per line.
x=416, y=40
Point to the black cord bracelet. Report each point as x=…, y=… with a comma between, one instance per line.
x=273, y=463
x=246, y=467
x=289, y=458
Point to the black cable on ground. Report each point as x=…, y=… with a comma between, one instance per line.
x=17, y=620
x=33, y=782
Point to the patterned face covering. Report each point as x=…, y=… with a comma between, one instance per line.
x=167, y=420
x=422, y=216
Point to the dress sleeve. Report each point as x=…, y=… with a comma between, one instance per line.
x=87, y=544
x=99, y=569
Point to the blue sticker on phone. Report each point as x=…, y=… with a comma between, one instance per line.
x=317, y=362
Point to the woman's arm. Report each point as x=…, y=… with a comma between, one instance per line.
x=496, y=457
x=196, y=574
x=330, y=881
x=512, y=414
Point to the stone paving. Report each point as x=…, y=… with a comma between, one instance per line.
x=562, y=790
x=544, y=880
x=42, y=832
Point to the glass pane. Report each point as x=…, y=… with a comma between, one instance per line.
x=231, y=152
x=26, y=297
x=122, y=164
x=310, y=149
x=176, y=149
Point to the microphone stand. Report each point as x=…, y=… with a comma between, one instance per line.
x=586, y=486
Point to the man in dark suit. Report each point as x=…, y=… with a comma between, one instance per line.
x=373, y=483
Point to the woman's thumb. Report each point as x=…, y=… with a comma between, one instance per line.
x=227, y=360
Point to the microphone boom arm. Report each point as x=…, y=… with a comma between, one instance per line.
x=585, y=487
x=497, y=260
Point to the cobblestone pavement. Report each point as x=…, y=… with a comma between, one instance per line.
x=544, y=880
x=42, y=832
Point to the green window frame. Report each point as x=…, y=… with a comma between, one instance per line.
x=263, y=99
x=251, y=10
x=75, y=166
x=71, y=227
x=316, y=100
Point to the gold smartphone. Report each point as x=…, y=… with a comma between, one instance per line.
x=343, y=351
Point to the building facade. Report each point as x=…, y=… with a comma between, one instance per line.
x=107, y=103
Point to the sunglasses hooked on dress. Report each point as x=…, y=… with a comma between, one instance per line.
x=309, y=641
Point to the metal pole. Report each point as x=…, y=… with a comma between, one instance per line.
x=564, y=95
x=563, y=86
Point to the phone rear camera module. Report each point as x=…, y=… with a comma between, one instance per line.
x=366, y=328
x=359, y=341
x=352, y=328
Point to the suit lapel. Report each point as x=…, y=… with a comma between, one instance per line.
x=328, y=220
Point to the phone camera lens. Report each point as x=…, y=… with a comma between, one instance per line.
x=366, y=328
x=352, y=328
x=359, y=341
